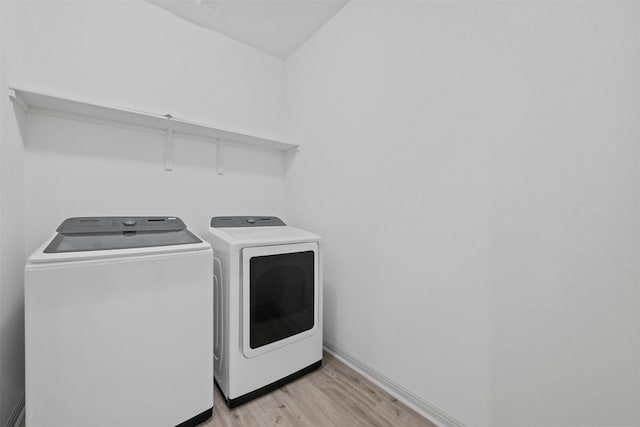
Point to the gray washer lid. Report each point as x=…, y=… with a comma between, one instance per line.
x=117, y=224
x=105, y=233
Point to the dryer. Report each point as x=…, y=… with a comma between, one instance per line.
x=119, y=325
x=268, y=312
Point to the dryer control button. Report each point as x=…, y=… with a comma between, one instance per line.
x=129, y=222
x=251, y=220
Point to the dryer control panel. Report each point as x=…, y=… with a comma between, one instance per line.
x=246, y=221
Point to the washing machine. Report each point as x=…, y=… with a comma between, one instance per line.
x=119, y=325
x=268, y=312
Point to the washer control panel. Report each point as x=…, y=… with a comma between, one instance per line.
x=119, y=224
x=246, y=221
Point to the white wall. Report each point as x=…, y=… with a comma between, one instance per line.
x=565, y=225
x=2, y=107
x=135, y=55
x=11, y=227
x=474, y=169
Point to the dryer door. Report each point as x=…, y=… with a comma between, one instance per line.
x=279, y=296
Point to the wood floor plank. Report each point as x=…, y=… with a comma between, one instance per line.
x=332, y=396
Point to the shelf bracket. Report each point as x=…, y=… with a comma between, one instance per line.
x=220, y=156
x=168, y=145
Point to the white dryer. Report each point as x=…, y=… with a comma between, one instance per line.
x=268, y=312
x=119, y=325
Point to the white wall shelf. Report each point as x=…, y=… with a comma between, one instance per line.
x=164, y=124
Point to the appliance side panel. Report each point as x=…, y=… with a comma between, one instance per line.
x=233, y=316
x=221, y=315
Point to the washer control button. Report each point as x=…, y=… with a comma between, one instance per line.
x=129, y=222
x=251, y=220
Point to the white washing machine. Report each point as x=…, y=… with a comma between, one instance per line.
x=268, y=313
x=119, y=325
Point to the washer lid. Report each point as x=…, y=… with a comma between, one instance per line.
x=107, y=233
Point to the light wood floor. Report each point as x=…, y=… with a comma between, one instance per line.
x=334, y=395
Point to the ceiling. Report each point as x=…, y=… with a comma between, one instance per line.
x=276, y=27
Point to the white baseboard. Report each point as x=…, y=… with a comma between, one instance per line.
x=415, y=402
x=16, y=418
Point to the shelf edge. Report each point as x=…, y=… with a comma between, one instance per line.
x=15, y=97
x=185, y=127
